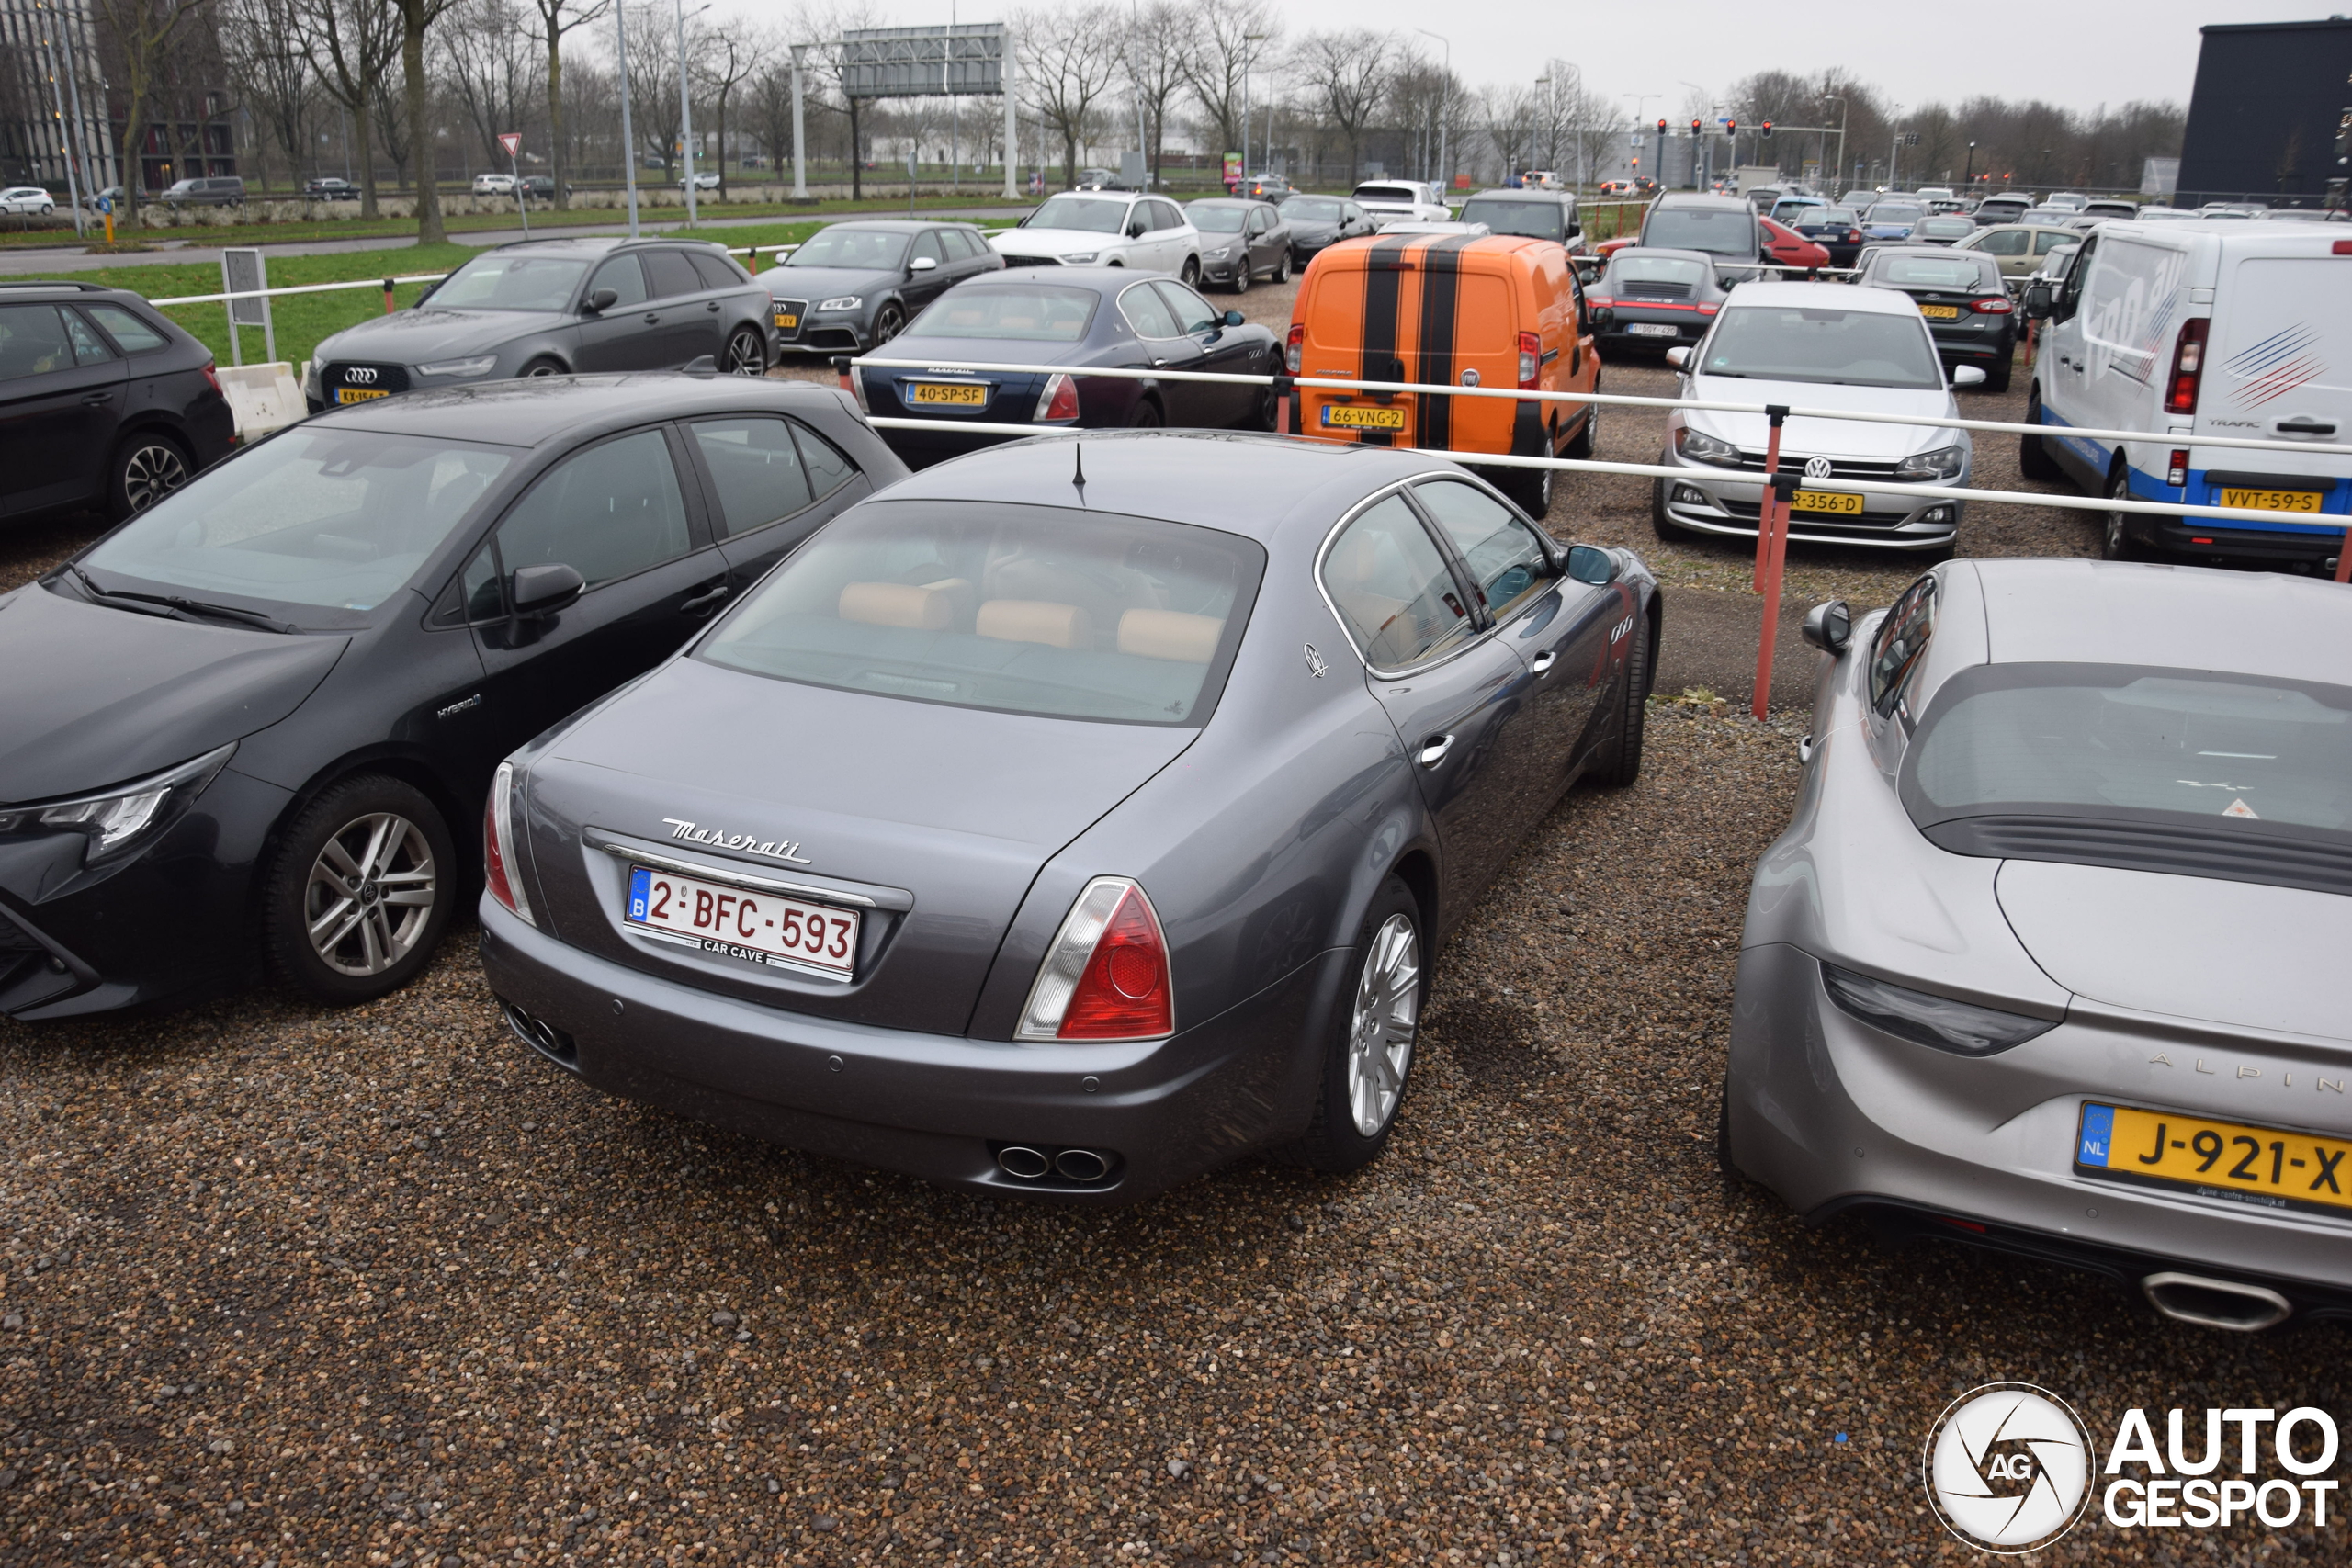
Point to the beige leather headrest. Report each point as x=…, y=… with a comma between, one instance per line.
x=897, y=604
x=1036, y=620
x=1169, y=634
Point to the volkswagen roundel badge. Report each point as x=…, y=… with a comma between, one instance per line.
x=1816, y=468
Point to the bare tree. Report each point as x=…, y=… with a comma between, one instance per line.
x=731, y=56
x=270, y=64
x=144, y=32
x=353, y=42
x=1230, y=40
x=485, y=54
x=557, y=18
x=1153, y=56
x=1505, y=114
x=1073, y=59
x=417, y=17
x=1347, y=70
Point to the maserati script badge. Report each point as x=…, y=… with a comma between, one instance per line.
x=773, y=849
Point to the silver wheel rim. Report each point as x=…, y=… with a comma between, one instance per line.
x=536, y=371
x=153, y=472
x=743, y=356
x=886, y=326
x=1380, y=1034
x=370, y=893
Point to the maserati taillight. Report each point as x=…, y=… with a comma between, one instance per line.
x=2187, y=367
x=1057, y=402
x=1106, y=976
x=1531, y=360
x=499, y=870
x=1296, y=351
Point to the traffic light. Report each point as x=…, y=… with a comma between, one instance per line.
x=1661, y=131
x=1731, y=129
x=1766, y=131
x=1694, y=130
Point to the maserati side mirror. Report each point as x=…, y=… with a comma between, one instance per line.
x=1235, y=318
x=1829, y=626
x=543, y=590
x=1587, y=564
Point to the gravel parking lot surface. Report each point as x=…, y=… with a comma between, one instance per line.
x=294, y=1286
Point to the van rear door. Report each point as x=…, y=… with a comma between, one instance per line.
x=2279, y=367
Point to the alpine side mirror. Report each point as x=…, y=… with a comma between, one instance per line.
x=543, y=590
x=2036, y=303
x=1587, y=564
x=1829, y=626
x=922, y=263
x=1235, y=318
x=1678, y=358
x=600, y=300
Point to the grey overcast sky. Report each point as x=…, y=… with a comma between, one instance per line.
x=2078, y=53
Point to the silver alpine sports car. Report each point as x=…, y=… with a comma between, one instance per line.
x=2051, y=958
x=1075, y=817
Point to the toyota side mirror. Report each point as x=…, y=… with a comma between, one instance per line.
x=1678, y=358
x=1235, y=318
x=922, y=263
x=538, y=591
x=600, y=300
x=1829, y=626
x=1587, y=564
x=2037, y=301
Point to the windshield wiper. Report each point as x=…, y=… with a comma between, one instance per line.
x=187, y=609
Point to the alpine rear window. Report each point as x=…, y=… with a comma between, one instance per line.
x=1021, y=609
x=2123, y=764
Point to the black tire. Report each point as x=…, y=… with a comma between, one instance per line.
x=747, y=353
x=1281, y=267
x=2116, y=542
x=538, y=369
x=1624, y=761
x=1996, y=380
x=1345, y=1101
x=1268, y=417
x=146, y=467
x=1530, y=489
x=1579, y=446
x=1659, y=523
x=1145, y=415
x=369, y=952
x=888, y=322
x=1241, y=277
x=1190, y=275
x=2034, y=460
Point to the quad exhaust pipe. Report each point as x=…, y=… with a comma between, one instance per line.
x=1026, y=1163
x=2216, y=1303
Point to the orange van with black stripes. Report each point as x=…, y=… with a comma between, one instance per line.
x=1459, y=310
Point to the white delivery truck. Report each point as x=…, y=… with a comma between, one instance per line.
x=2186, y=330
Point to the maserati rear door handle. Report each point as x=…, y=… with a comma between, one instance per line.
x=652, y=317
x=1545, y=660
x=712, y=307
x=704, y=600
x=1433, y=750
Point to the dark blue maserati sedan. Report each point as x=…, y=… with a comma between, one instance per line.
x=1076, y=316
x=1070, y=819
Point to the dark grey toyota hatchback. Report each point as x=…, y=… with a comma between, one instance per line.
x=1072, y=818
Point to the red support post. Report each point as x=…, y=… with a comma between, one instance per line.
x=388, y=297
x=2343, y=557
x=1771, y=554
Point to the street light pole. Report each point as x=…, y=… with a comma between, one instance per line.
x=1640, y=120
x=1445, y=92
x=628, y=136
x=799, y=138
x=1706, y=113
x=686, y=110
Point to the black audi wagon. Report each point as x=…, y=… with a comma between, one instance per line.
x=253, y=725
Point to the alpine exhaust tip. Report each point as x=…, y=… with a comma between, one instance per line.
x=2216, y=1303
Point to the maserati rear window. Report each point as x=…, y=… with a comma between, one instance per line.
x=1023, y=609
x=1018, y=312
x=2150, y=746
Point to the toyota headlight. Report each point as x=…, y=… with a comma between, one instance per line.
x=1079, y=258
x=842, y=302
x=1944, y=463
x=1962, y=1028
x=1702, y=447
x=118, y=819
x=482, y=367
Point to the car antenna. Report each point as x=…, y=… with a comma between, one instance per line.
x=1078, y=477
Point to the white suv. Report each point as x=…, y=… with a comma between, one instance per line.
x=1109, y=228
x=1402, y=201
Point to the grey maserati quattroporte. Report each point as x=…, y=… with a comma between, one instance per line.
x=1075, y=817
x=2050, y=959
